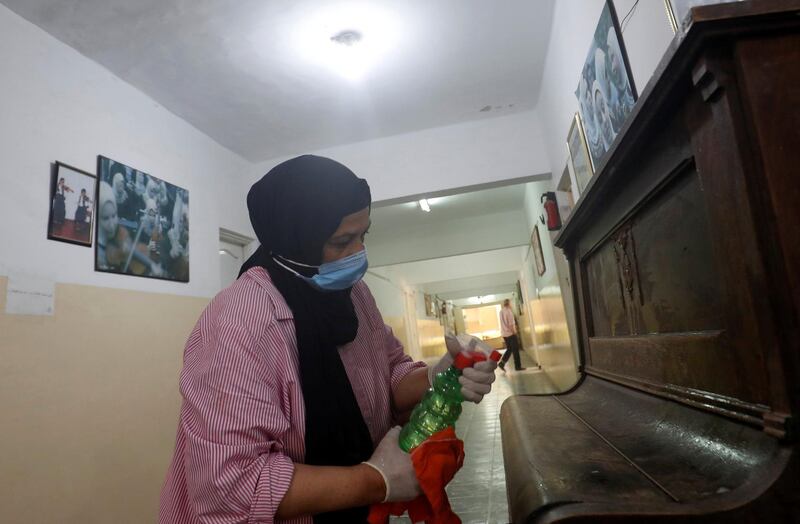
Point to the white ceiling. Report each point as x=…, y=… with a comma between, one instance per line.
x=240, y=71
x=479, y=285
x=436, y=272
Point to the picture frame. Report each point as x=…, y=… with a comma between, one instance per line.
x=538, y=256
x=606, y=91
x=678, y=10
x=430, y=306
x=142, y=224
x=71, y=216
x=578, y=148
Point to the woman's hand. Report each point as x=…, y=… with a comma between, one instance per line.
x=396, y=468
x=475, y=381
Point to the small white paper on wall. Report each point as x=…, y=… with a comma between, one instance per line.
x=28, y=295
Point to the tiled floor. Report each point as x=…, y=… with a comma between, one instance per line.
x=478, y=492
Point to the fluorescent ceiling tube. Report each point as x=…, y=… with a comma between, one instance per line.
x=423, y=205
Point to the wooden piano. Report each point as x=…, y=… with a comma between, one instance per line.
x=685, y=261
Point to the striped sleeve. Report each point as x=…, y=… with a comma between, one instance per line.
x=236, y=469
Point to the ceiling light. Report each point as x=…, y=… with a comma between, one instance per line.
x=348, y=39
x=423, y=205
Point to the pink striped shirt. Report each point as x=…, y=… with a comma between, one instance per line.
x=242, y=422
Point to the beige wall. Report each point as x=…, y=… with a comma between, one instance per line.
x=552, y=340
x=431, y=338
x=483, y=322
x=525, y=329
x=89, y=403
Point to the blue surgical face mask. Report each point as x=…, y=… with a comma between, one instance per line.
x=334, y=276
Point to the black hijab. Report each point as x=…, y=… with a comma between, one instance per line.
x=294, y=209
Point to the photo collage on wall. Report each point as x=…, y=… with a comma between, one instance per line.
x=142, y=224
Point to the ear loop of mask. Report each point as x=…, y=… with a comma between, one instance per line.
x=287, y=268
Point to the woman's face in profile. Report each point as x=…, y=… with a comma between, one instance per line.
x=348, y=239
x=108, y=219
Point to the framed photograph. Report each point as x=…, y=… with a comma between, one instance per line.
x=564, y=194
x=72, y=193
x=678, y=10
x=579, y=154
x=430, y=306
x=538, y=256
x=142, y=224
x=606, y=93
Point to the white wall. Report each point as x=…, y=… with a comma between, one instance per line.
x=456, y=267
x=647, y=36
x=59, y=105
x=454, y=237
x=439, y=159
x=533, y=210
x=388, y=294
x=397, y=303
x=474, y=286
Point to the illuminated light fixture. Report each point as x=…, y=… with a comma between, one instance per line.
x=423, y=205
x=347, y=38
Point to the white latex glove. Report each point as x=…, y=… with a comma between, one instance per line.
x=475, y=381
x=396, y=468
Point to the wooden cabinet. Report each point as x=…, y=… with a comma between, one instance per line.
x=685, y=254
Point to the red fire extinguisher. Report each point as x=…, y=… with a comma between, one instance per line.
x=551, y=210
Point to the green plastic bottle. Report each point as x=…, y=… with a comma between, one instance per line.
x=439, y=408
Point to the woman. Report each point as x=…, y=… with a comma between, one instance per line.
x=82, y=211
x=115, y=249
x=290, y=377
x=59, y=199
x=113, y=243
x=621, y=96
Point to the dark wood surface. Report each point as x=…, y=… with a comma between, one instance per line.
x=639, y=455
x=685, y=254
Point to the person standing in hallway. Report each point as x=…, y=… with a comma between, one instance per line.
x=508, y=330
x=291, y=381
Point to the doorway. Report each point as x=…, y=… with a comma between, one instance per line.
x=232, y=248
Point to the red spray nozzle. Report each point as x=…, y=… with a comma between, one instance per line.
x=463, y=360
x=478, y=356
x=496, y=356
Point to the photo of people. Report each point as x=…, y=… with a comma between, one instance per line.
x=605, y=91
x=678, y=10
x=71, y=205
x=142, y=224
